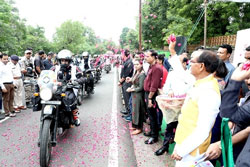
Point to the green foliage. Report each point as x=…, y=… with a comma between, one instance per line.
x=15, y=36
x=123, y=37
x=129, y=39
x=160, y=18
x=70, y=35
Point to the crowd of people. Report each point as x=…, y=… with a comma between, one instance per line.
x=18, y=76
x=192, y=93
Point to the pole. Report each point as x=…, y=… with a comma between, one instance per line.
x=140, y=47
x=205, y=24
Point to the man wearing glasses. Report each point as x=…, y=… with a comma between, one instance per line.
x=197, y=117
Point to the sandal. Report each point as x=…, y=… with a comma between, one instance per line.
x=136, y=132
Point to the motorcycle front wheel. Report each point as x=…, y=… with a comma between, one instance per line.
x=45, y=144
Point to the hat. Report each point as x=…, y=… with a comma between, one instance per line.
x=14, y=57
x=27, y=51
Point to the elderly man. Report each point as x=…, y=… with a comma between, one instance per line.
x=18, y=83
x=6, y=78
x=197, y=117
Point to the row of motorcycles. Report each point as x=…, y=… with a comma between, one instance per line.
x=57, y=99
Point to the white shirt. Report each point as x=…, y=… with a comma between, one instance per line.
x=145, y=66
x=6, y=75
x=178, y=81
x=16, y=69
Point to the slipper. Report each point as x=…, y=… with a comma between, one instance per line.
x=136, y=132
x=12, y=114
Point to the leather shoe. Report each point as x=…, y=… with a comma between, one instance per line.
x=161, y=151
x=151, y=140
x=148, y=134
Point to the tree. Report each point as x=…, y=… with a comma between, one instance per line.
x=15, y=36
x=123, y=37
x=70, y=36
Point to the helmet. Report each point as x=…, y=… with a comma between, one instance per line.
x=95, y=56
x=64, y=54
x=85, y=54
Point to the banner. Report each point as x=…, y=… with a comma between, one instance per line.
x=241, y=44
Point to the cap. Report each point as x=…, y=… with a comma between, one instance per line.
x=27, y=51
x=14, y=57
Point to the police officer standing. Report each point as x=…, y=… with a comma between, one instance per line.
x=27, y=68
x=18, y=83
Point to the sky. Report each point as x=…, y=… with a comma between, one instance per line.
x=106, y=17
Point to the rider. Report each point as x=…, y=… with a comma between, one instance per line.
x=96, y=61
x=67, y=73
x=86, y=66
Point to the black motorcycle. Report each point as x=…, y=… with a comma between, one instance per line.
x=88, y=75
x=57, y=103
x=97, y=74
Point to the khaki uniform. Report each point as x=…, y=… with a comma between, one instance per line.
x=18, y=83
x=29, y=88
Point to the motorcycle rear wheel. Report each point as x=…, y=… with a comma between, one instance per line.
x=45, y=144
x=80, y=97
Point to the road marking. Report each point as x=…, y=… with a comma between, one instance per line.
x=113, y=146
x=6, y=118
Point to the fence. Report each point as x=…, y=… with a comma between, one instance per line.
x=215, y=41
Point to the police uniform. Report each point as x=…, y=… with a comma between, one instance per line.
x=25, y=63
x=18, y=82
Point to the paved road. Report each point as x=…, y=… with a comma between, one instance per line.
x=93, y=144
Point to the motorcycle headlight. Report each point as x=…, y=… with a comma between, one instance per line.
x=46, y=94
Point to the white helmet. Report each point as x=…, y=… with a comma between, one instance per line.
x=65, y=54
x=85, y=54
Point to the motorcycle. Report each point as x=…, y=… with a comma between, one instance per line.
x=57, y=99
x=87, y=74
x=107, y=67
x=97, y=74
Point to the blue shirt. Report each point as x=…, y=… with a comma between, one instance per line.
x=47, y=64
x=230, y=69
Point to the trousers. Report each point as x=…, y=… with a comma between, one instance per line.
x=18, y=93
x=8, y=98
